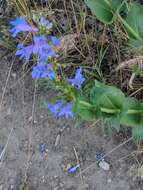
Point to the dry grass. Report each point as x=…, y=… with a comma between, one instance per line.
x=87, y=42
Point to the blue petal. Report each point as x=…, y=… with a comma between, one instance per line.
x=42, y=71
x=60, y=109
x=54, y=108
x=78, y=80
x=73, y=169
x=55, y=41
x=20, y=25
x=39, y=71
x=66, y=111
x=24, y=51
x=42, y=49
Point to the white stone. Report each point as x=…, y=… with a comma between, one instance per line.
x=104, y=165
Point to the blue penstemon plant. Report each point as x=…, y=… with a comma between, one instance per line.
x=42, y=49
x=100, y=102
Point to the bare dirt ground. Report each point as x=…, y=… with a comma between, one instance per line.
x=25, y=124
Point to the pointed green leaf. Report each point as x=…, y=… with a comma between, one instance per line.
x=137, y=133
x=135, y=22
x=107, y=100
x=83, y=110
x=104, y=9
x=132, y=112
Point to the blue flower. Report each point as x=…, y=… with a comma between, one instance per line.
x=39, y=71
x=78, y=79
x=60, y=109
x=46, y=54
x=46, y=23
x=42, y=49
x=55, y=41
x=66, y=111
x=43, y=148
x=40, y=43
x=99, y=156
x=73, y=169
x=42, y=71
x=24, y=51
x=20, y=25
x=55, y=108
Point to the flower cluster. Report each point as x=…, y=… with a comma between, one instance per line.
x=42, y=49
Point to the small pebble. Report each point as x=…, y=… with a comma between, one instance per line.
x=104, y=165
x=9, y=111
x=13, y=75
x=41, y=116
x=57, y=141
x=61, y=185
x=109, y=180
x=43, y=179
x=35, y=122
x=12, y=187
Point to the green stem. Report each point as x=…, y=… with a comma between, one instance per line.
x=135, y=111
x=121, y=5
x=107, y=2
x=85, y=104
x=107, y=110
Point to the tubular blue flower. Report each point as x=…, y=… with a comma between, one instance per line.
x=46, y=54
x=42, y=71
x=66, y=111
x=24, y=51
x=39, y=71
x=72, y=170
x=55, y=108
x=78, y=79
x=40, y=43
x=20, y=25
x=60, y=109
x=46, y=23
x=55, y=41
x=42, y=49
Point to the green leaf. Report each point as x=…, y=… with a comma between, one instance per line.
x=137, y=133
x=135, y=22
x=83, y=110
x=117, y=5
x=104, y=9
x=131, y=115
x=107, y=100
x=113, y=123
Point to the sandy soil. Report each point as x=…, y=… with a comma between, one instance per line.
x=28, y=124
